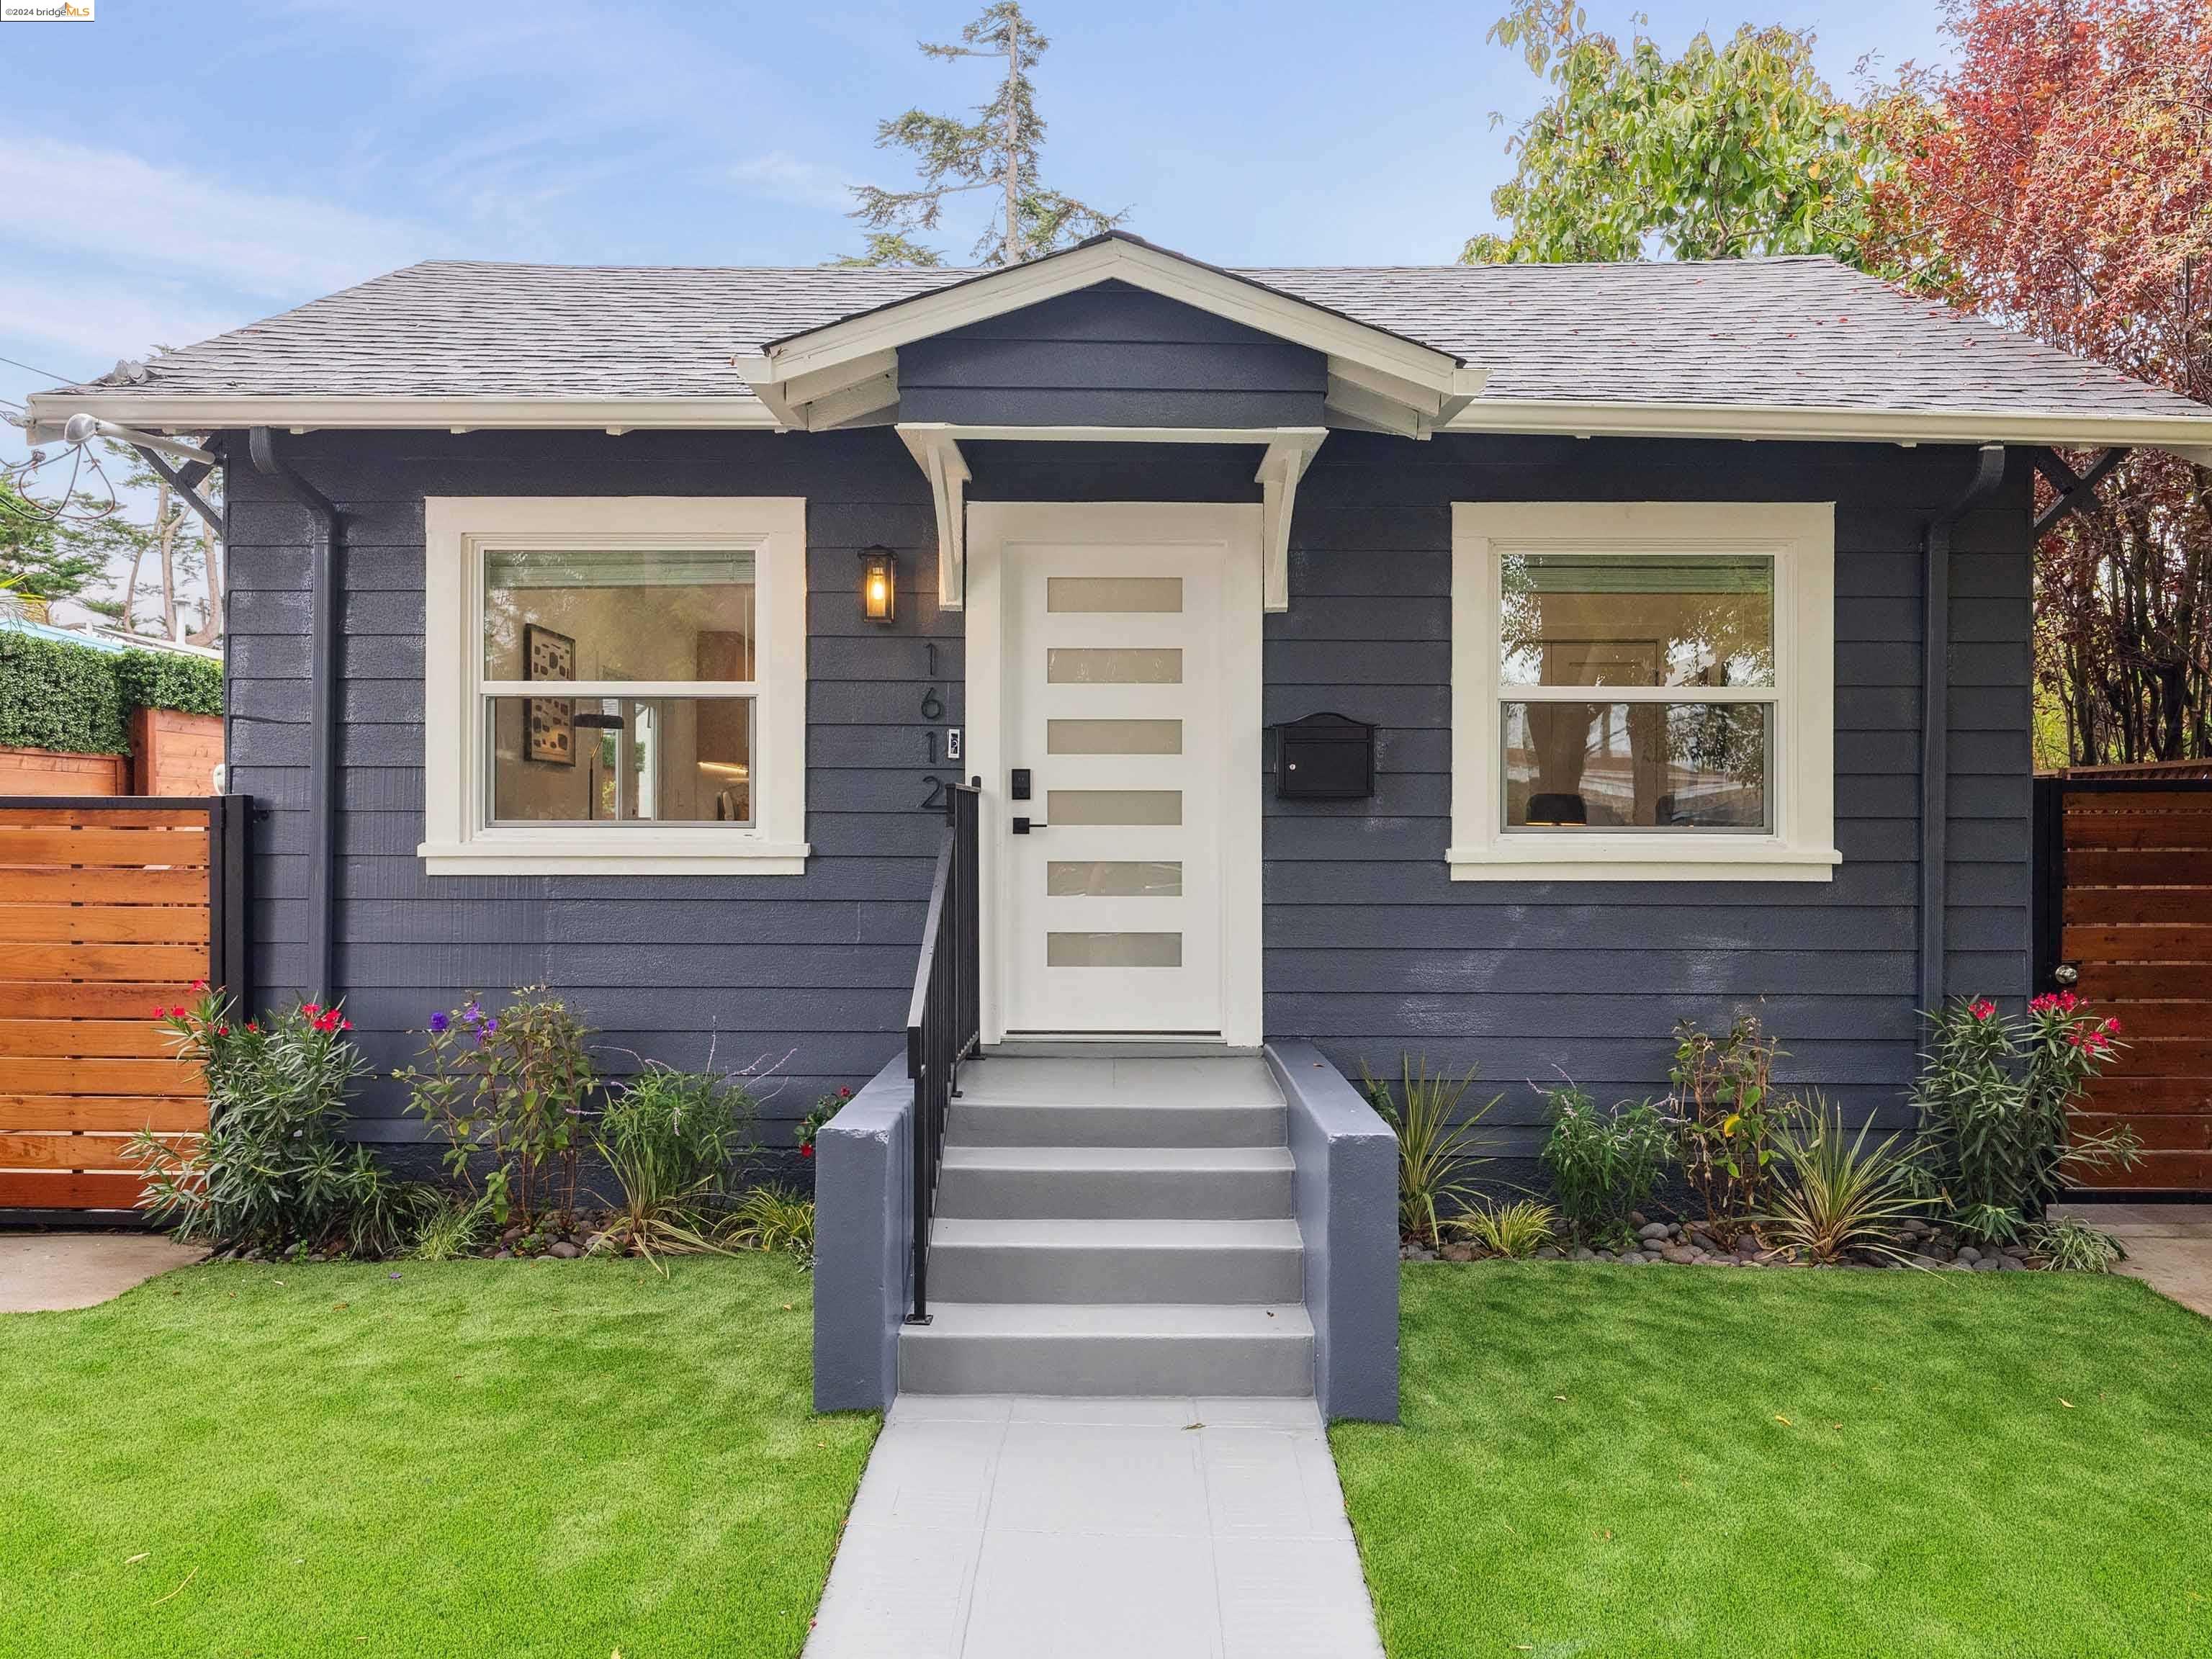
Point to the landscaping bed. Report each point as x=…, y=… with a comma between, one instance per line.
x=410, y=1458
x=1700, y=1244
x=1822, y=1465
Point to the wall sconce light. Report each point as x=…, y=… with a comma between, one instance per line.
x=879, y=585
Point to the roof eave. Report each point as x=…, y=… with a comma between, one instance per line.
x=2187, y=435
x=186, y=412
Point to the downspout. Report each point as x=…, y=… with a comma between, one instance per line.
x=1935, y=720
x=322, y=715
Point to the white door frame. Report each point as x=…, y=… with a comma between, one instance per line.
x=1236, y=529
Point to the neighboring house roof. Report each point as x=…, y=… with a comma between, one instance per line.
x=1812, y=347
x=103, y=639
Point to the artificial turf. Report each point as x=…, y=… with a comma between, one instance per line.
x=1642, y=1462
x=478, y=1458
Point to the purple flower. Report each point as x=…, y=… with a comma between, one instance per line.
x=439, y=1022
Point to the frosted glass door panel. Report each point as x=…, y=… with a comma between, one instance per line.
x=1111, y=669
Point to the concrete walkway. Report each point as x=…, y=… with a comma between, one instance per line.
x=40, y=1272
x=2169, y=1246
x=1025, y=1527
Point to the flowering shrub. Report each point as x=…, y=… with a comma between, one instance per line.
x=270, y=1173
x=512, y=1085
x=811, y=1126
x=1993, y=1097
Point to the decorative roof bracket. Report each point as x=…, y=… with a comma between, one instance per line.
x=936, y=451
x=1289, y=453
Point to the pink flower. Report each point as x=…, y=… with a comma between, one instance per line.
x=176, y=1013
x=160, y=1012
x=222, y=1030
x=2110, y=1028
x=1982, y=1008
x=200, y=984
x=806, y=1152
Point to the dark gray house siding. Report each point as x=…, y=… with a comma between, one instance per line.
x=1111, y=355
x=1370, y=949
x=807, y=975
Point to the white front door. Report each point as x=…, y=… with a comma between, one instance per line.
x=1129, y=695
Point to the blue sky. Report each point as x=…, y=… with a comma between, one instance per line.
x=174, y=170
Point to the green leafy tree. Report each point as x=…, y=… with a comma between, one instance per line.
x=996, y=152
x=42, y=556
x=1728, y=150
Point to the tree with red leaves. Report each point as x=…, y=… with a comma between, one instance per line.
x=2061, y=183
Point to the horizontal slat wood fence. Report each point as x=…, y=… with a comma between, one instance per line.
x=108, y=908
x=2125, y=898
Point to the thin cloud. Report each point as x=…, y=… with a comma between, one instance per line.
x=128, y=213
x=780, y=176
x=99, y=320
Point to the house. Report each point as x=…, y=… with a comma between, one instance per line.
x=630, y=631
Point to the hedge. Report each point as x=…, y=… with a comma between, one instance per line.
x=77, y=700
x=161, y=679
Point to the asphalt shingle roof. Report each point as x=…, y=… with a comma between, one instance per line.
x=1789, y=333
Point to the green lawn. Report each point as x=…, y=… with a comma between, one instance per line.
x=1628, y=1463
x=494, y=1458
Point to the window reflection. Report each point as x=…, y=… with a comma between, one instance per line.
x=1639, y=619
x=1636, y=765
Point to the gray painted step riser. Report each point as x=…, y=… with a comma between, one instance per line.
x=1145, y=1195
x=969, y=1125
x=1276, y=1366
x=1011, y=1273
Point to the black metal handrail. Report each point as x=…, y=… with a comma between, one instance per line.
x=944, y=1023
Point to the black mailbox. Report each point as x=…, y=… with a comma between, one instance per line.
x=1324, y=757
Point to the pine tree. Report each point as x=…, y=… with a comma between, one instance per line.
x=997, y=151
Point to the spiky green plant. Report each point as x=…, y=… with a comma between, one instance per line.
x=668, y=1138
x=1838, y=1195
x=454, y=1229
x=1515, y=1230
x=772, y=1218
x=2074, y=1246
x=1435, y=1153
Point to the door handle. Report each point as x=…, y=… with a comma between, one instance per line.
x=1022, y=826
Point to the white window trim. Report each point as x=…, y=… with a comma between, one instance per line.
x=457, y=841
x=1801, y=537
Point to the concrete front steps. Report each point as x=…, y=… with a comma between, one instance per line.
x=1114, y=1226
